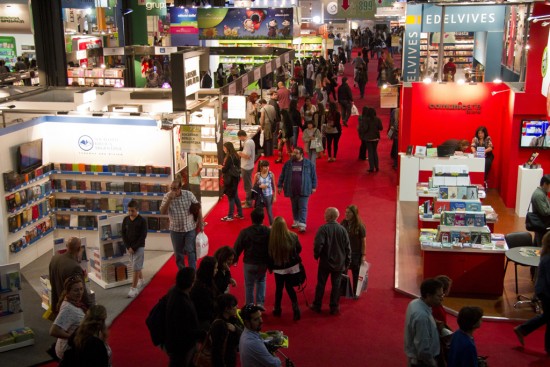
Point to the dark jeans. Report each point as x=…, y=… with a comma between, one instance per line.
x=332, y=140
x=362, y=89
x=323, y=273
x=394, y=152
x=538, y=321
x=234, y=201
x=373, y=154
x=355, y=265
x=363, y=150
x=268, y=147
x=282, y=280
x=183, y=244
x=196, y=190
x=309, y=86
x=488, y=163
x=346, y=110
x=247, y=182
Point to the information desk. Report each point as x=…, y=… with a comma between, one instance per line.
x=414, y=169
x=474, y=272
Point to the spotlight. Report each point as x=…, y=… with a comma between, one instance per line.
x=427, y=80
x=385, y=85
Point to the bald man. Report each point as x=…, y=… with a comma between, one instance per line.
x=332, y=249
x=62, y=266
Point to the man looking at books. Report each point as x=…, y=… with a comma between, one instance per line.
x=183, y=227
x=134, y=232
x=541, y=206
x=62, y=266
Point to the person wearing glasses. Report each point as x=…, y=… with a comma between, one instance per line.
x=252, y=348
x=421, y=336
x=183, y=227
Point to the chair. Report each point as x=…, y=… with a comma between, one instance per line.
x=520, y=239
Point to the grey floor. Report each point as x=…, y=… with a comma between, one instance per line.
x=114, y=299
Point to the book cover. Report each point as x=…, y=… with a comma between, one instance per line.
x=13, y=280
x=108, y=250
x=462, y=192
x=121, y=272
x=469, y=217
x=112, y=203
x=475, y=237
x=154, y=205
x=460, y=219
x=479, y=219
x=420, y=151
x=17, y=198
x=121, y=249
x=127, y=187
x=136, y=187
x=472, y=193
x=448, y=218
x=443, y=192
x=453, y=192
x=431, y=152
x=455, y=237
x=480, y=152
x=104, y=203
x=445, y=237
x=458, y=206
x=14, y=303
x=73, y=221
x=473, y=206
x=153, y=223
x=106, y=232
x=464, y=237
x=409, y=150
x=485, y=238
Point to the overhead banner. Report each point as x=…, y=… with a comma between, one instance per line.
x=357, y=9
x=240, y=23
x=184, y=29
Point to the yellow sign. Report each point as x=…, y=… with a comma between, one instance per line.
x=388, y=97
x=190, y=138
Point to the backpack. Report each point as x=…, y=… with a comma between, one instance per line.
x=156, y=321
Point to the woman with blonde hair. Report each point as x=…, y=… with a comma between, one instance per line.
x=284, y=260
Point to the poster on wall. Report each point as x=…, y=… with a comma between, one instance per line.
x=183, y=26
x=191, y=138
x=241, y=23
x=544, y=68
x=388, y=97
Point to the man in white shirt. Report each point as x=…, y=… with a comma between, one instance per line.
x=310, y=75
x=194, y=164
x=247, y=165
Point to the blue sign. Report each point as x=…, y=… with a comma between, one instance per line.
x=411, y=43
x=78, y=4
x=462, y=18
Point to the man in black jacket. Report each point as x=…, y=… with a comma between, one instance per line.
x=345, y=98
x=332, y=249
x=182, y=324
x=254, y=241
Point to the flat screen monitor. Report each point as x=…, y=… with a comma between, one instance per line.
x=29, y=156
x=533, y=134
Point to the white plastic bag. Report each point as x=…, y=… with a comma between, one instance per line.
x=363, y=279
x=201, y=245
x=354, y=110
x=262, y=138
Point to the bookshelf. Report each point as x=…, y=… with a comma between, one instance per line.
x=13, y=333
x=109, y=262
x=462, y=49
x=98, y=76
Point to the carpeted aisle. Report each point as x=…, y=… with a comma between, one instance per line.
x=369, y=331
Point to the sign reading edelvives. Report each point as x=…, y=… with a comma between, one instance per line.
x=240, y=23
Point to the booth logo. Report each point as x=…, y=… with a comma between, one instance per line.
x=332, y=8
x=85, y=143
x=471, y=109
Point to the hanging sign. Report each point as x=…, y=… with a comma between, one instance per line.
x=14, y=18
x=388, y=97
x=236, y=107
x=191, y=138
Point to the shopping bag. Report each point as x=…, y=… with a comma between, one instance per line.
x=363, y=279
x=262, y=138
x=201, y=245
x=346, y=289
x=354, y=110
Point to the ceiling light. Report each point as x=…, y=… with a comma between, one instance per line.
x=427, y=80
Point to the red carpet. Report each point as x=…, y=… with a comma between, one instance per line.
x=369, y=331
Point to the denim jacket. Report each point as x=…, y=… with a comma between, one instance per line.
x=309, y=178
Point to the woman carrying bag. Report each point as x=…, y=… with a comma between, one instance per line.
x=284, y=259
x=312, y=141
x=231, y=177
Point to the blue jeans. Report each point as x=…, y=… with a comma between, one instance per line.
x=184, y=244
x=299, y=209
x=235, y=201
x=254, y=275
x=312, y=155
x=247, y=182
x=268, y=200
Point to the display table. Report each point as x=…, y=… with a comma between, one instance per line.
x=528, y=181
x=419, y=169
x=474, y=272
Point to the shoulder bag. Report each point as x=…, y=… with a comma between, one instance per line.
x=316, y=144
x=533, y=222
x=235, y=170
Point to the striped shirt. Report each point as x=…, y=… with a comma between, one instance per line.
x=268, y=191
x=178, y=211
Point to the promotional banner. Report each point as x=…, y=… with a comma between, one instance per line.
x=240, y=23
x=14, y=18
x=191, y=138
x=184, y=29
x=463, y=18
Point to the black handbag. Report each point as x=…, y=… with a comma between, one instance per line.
x=533, y=222
x=299, y=278
x=234, y=171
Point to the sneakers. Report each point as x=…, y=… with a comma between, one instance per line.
x=301, y=228
x=133, y=292
x=295, y=224
x=140, y=284
x=227, y=219
x=239, y=217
